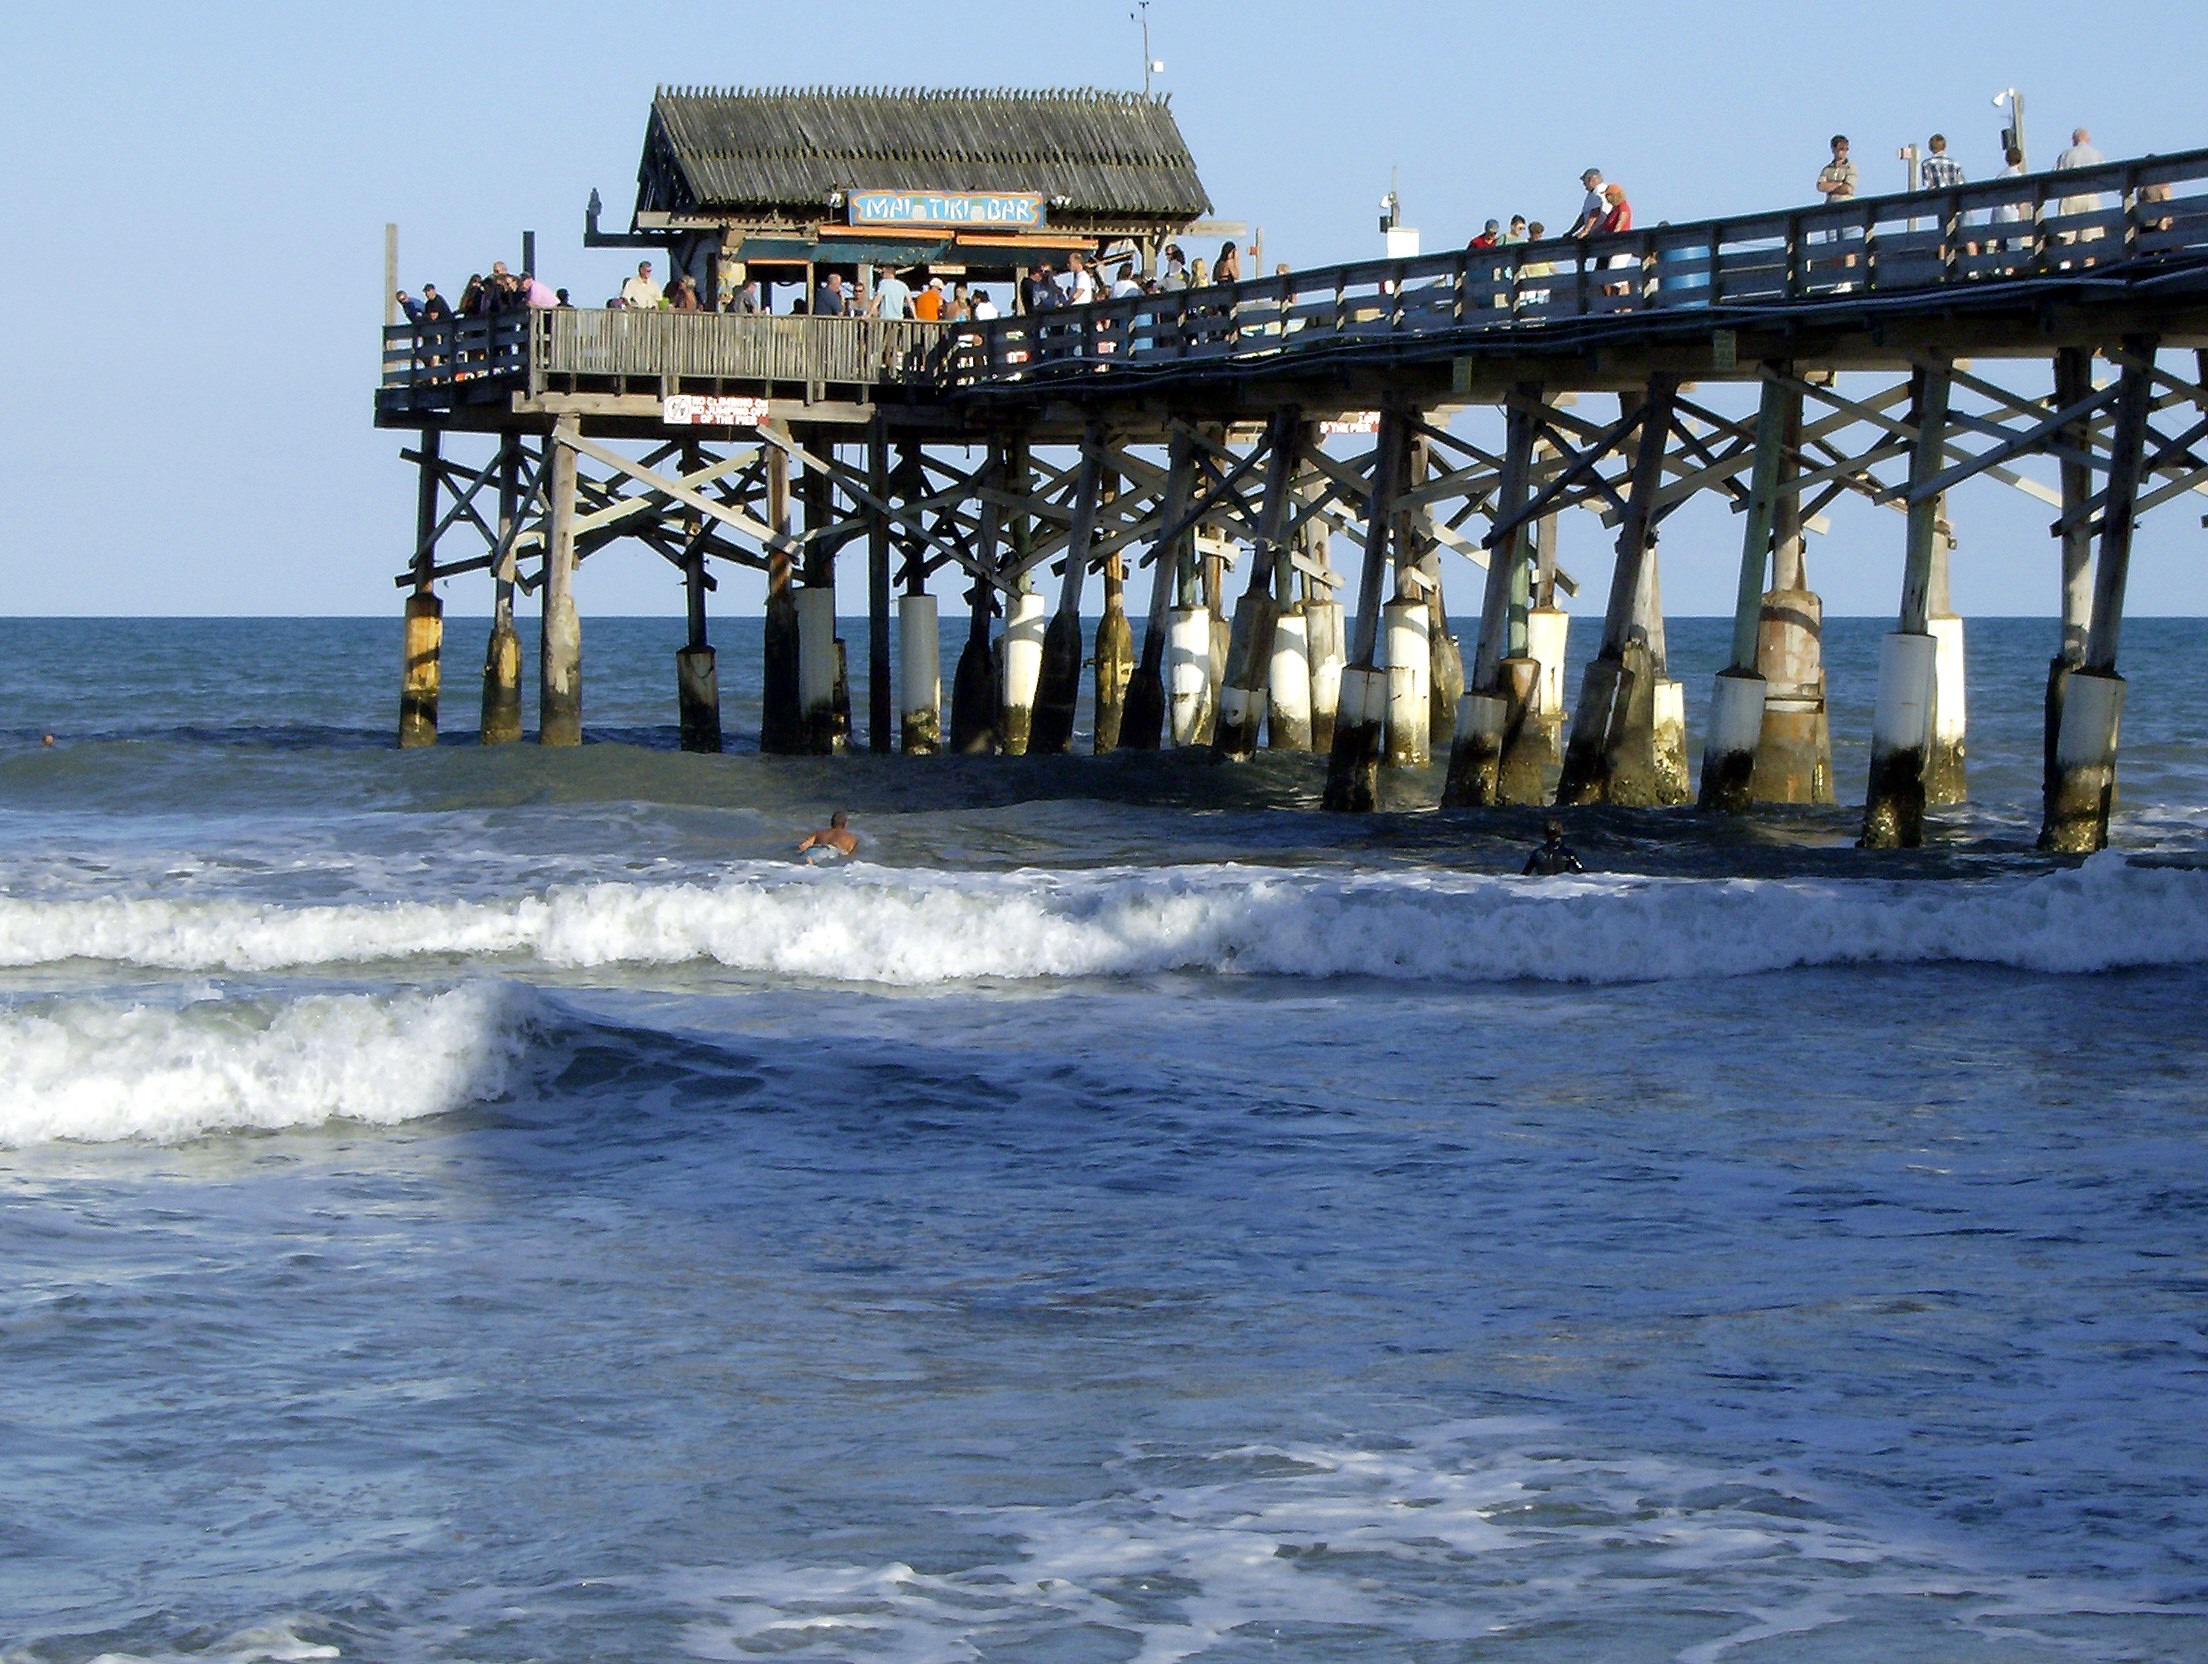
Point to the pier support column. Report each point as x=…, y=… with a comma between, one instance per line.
x=823, y=689
x=501, y=719
x=919, y=675
x=2073, y=382
x=1499, y=706
x=421, y=652
x=1901, y=728
x=1058, y=688
x=1243, y=688
x=974, y=697
x=1794, y=751
x=1114, y=655
x=1360, y=725
x=1143, y=721
x=781, y=724
x=560, y=651
x=1737, y=699
x=2093, y=699
x=1324, y=647
x=1620, y=746
x=1946, y=775
x=1024, y=627
x=697, y=677
x=1288, y=683
x=880, y=696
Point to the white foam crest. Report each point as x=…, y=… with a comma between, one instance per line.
x=877, y=924
x=1473, y=1532
x=100, y=1070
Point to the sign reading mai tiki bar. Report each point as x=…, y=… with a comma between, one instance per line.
x=1004, y=210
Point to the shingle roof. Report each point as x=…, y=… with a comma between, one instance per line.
x=1115, y=155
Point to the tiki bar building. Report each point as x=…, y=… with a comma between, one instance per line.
x=780, y=187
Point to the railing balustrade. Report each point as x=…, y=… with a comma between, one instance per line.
x=2122, y=216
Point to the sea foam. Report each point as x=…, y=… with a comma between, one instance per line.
x=104, y=1069
x=896, y=926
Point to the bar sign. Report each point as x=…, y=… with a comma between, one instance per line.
x=987, y=210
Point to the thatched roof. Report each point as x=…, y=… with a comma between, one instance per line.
x=1112, y=156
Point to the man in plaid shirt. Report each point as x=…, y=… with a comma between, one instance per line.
x=1939, y=171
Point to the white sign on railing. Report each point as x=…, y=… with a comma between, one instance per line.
x=713, y=411
x=1353, y=421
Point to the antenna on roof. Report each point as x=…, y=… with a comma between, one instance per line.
x=1150, y=66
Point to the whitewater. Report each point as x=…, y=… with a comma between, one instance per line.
x=494, y=1205
x=871, y=924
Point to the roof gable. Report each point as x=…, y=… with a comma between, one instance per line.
x=1103, y=155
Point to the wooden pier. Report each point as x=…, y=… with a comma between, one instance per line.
x=1428, y=410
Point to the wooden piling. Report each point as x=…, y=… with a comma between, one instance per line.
x=1058, y=686
x=501, y=718
x=1615, y=753
x=1353, y=765
x=1901, y=730
x=422, y=650
x=781, y=727
x=1250, y=644
x=560, y=649
x=2093, y=704
x=880, y=696
x=1142, y=723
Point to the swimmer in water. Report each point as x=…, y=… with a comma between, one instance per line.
x=834, y=838
x=1554, y=858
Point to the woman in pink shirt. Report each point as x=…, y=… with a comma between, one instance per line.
x=1618, y=217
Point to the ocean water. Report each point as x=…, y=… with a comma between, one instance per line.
x=494, y=1206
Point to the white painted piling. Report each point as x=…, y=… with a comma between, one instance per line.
x=919, y=676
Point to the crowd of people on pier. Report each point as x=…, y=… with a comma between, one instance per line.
x=1605, y=209
x=484, y=297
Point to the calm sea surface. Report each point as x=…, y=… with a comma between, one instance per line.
x=493, y=1206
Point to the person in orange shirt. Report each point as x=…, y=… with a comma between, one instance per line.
x=928, y=303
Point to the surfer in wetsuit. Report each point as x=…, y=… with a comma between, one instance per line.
x=833, y=839
x=1554, y=858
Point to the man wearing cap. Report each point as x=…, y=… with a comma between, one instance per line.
x=927, y=305
x=1593, y=208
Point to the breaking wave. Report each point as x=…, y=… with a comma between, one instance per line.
x=100, y=1070
x=897, y=926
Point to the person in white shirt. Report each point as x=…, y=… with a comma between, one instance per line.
x=1080, y=281
x=1124, y=284
x=640, y=291
x=984, y=307
x=2081, y=154
x=892, y=297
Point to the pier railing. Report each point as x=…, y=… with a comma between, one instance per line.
x=569, y=348
x=2117, y=217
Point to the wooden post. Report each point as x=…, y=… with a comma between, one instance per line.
x=1614, y=754
x=697, y=677
x=823, y=690
x=560, y=652
x=1115, y=642
x=1058, y=692
x=1353, y=766
x=2093, y=703
x=974, y=695
x=1794, y=750
x=1250, y=647
x=501, y=723
x=1901, y=729
x=1737, y=699
x=2073, y=381
x=880, y=697
x=1496, y=716
x=390, y=274
x=1021, y=669
x=424, y=634
x=780, y=726
x=1142, y=725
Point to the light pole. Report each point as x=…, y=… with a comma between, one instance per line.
x=2012, y=136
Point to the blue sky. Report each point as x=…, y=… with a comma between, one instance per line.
x=195, y=200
